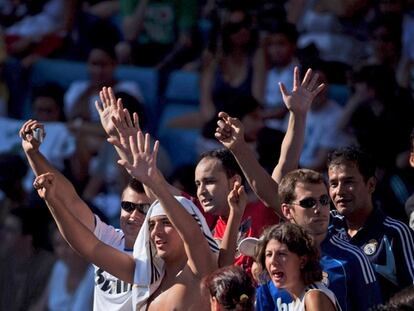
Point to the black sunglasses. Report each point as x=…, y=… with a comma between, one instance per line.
x=130, y=207
x=311, y=202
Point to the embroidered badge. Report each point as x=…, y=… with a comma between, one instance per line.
x=371, y=247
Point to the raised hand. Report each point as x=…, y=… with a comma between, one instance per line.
x=303, y=93
x=111, y=108
x=229, y=131
x=141, y=163
x=44, y=185
x=29, y=142
x=237, y=199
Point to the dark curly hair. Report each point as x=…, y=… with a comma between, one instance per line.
x=232, y=287
x=298, y=241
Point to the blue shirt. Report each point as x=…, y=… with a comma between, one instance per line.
x=346, y=272
x=388, y=244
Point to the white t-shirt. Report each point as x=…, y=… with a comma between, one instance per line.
x=111, y=294
x=321, y=132
x=77, y=88
x=273, y=97
x=60, y=299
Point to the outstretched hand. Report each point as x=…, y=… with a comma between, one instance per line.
x=141, y=163
x=229, y=131
x=111, y=108
x=125, y=128
x=237, y=199
x=26, y=133
x=44, y=185
x=303, y=93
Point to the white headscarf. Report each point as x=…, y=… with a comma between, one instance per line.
x=149, y=268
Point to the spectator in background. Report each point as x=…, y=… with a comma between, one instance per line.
x=232, y=68
x=47, y=103
x=279, y=45
x=39, y=31
x=230, y=288
x=70, y=286
x=321, y=133
x=79, y=107
x=26, y=263
x=12, y=172
x=156, y=32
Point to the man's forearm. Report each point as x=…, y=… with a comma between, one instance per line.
x=258, y=178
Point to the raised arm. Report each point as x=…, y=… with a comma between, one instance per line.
x=79, y=237
x=230, y=133
x=298, y=102
x=237, y=201
x=40, y=165
x=143, y=167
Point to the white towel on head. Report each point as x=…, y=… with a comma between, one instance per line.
x=149, y=268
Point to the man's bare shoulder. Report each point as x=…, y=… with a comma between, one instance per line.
x=180, y=292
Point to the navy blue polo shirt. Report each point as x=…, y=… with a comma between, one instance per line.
x=388, y=244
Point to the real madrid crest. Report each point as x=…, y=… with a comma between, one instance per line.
x=325, y=278
x=371, y=247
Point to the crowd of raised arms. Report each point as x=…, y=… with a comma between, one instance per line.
x=300, y=195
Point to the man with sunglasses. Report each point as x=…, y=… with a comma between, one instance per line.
x=110, y=293
x=346, y=271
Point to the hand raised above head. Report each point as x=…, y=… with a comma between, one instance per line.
x=108, y=108
x=27, y=133
x=303, y=93
x=142, y=162
x=229, y=131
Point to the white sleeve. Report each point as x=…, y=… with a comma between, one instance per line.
x=108, y=234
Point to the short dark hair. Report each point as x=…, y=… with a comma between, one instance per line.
x=353, y=154
x=136, y=185
x=229, y=163
x=232, y=287
x=34, y=222
x=297, y=241
x=284, y=28
x=412, y=140
x=288, y=183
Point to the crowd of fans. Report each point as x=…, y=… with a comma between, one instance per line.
x=302, y=195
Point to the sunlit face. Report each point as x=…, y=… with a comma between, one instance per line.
x=166, y=239
x=348, y=190
x=101, y=67
x=315, y=220
x=130, y=223
x=280, y=50
x=213, y=186
x=45, y=109
x=283, y=266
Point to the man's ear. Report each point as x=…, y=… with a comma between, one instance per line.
x=411, y=159
x=371, y=183
x=287, y=211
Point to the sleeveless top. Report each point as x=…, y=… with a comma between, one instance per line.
x=299, y=303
